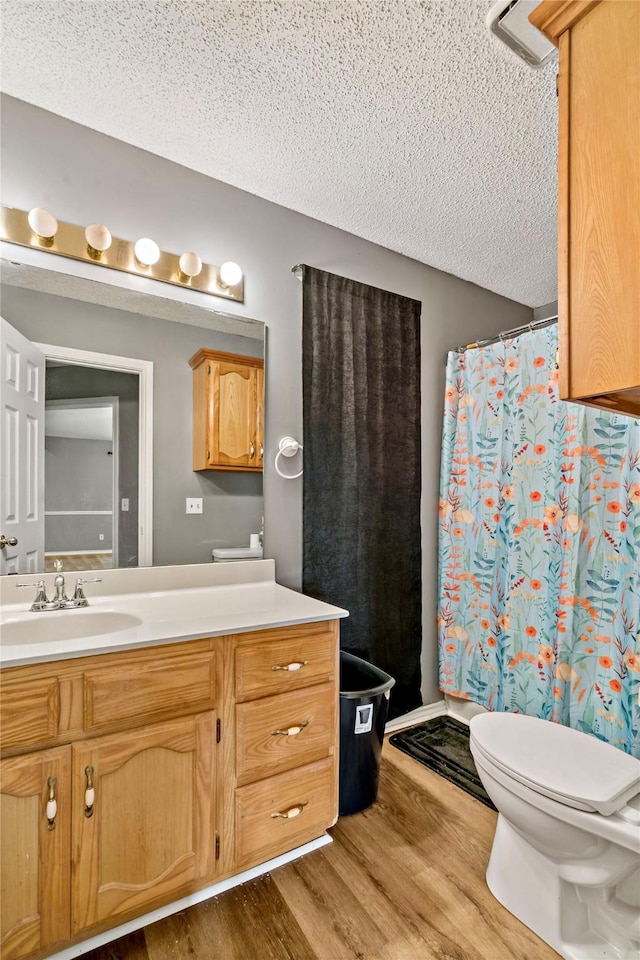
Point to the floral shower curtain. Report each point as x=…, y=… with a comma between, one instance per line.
x=539, y=545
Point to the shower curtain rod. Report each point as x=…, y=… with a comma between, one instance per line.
x=509, y=334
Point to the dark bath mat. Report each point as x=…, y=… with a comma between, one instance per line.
x=442, y=744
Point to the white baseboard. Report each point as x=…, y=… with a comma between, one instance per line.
x=426, y=712
x=463, y=710
x=455, y=707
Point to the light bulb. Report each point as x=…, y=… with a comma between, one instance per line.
x=147, y=251
x=98, y=238
x=190, y=264
x=43, y=223
x=230, y=274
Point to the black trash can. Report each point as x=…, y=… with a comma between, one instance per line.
x=364, y=701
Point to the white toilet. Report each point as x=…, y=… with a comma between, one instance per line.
x=566, y=853
x=234, y=554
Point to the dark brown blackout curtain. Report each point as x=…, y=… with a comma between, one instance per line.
x=361, y=520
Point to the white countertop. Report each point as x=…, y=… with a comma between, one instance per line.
x=234, y=598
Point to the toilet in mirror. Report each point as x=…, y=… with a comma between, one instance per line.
x=97, y=432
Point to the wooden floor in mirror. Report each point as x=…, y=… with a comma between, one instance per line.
x=403, y=880
x=80, y=561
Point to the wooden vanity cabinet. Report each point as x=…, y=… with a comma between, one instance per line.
x=195, y=767
x=228, y=411
x=598, y=198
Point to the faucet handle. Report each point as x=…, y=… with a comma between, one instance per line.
x=78, y=595
x=40, y=590
x=41, y=601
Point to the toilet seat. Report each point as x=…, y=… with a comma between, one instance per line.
x=570, y=767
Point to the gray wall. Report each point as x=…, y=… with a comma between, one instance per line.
x=78, y=476
x=233, y=503
x=83, y=176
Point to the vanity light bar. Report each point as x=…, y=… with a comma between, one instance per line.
x=69, y=240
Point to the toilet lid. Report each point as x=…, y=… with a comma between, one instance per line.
x=573, y=768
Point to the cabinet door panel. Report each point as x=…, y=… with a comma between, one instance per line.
x=234, y=439
x=604, y=197
x=29, y=712
x=172, y=685
x=151, y=831
x=35, y=859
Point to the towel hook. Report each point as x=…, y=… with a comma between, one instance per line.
x=288, y=447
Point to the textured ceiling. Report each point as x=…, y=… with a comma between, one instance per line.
x=401, y=121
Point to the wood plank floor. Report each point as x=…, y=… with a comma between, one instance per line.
x=403, y=880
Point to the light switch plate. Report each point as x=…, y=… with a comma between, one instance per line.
x=194, y=504
x=125, y=504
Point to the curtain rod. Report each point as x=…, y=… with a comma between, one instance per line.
x=509, y=334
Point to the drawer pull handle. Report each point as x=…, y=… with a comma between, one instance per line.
x=290, y=731
x=292, y=812
x=90, y=793
x=296, y=665
x=52, y=806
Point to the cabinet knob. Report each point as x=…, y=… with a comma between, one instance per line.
x=292, y=812
x=291, y=667
x=252, y=450
x=290, y=731
x=52, y=805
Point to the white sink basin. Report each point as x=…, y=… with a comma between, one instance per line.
x=57, y=626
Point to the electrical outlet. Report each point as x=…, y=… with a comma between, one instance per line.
x=101, y=536
x=194, y=505
x=125, y=504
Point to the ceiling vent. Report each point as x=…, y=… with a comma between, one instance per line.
x=509, y=21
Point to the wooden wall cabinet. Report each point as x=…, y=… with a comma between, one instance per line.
x=598, y=198
x=228, y=411
x=202, y=759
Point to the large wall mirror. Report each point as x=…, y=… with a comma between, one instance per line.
x=112, y=492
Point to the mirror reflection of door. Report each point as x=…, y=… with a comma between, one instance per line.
x=21, y=453
x=91, y=467
x=81, y=483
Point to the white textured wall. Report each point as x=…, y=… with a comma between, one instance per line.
x=83, y=176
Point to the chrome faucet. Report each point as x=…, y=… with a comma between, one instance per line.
x=60, y=600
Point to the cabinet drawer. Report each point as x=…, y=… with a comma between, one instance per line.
x=264, y=745
x=261, y=668
x=29, y=712
x=141, y=692
x=261, y=833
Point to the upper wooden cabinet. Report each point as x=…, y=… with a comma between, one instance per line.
x=598, y=197
x=228, y=404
